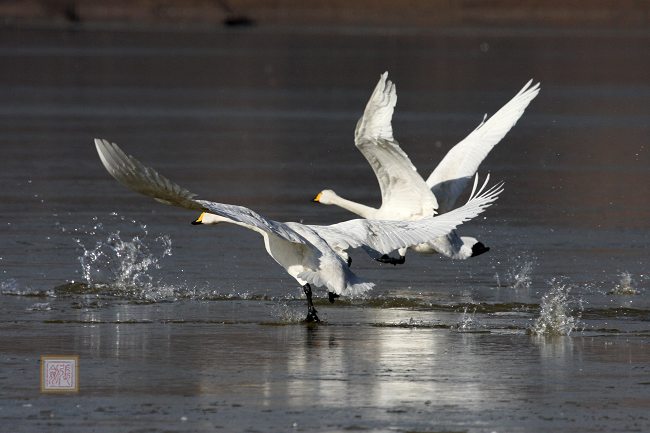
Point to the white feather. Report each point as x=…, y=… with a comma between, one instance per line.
x=405, y=194
x=449, y=179
x=308, y=253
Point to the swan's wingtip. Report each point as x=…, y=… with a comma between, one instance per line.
x=530, y=87
x=101, y=143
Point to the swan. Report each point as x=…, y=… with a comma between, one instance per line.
x=311, y=254
x=405, y=194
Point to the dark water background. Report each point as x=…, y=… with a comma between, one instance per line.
x=185, y=328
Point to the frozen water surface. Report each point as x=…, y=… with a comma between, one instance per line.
x=184, y=328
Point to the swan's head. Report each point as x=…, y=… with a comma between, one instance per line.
x=208, y=218
x=326, y=196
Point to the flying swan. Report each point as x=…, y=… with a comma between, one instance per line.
x=309, y=253
x=405, y=194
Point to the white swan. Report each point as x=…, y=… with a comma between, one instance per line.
x=310, y=254
x=405, y=195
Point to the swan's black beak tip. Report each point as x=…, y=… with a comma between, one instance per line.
x=199, y=220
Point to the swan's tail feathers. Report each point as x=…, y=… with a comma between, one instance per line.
x=357, y=287
x=351, y=286
x=480, y=199
x=484, y=197
x=133, y=174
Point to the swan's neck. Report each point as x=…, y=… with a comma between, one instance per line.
x=354, y=207
x=265, y=235
x=214, y=219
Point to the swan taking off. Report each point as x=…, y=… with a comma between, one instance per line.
x=311, y=254
x=405, y=194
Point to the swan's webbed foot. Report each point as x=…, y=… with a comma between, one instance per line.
x=478, y=249
x=332, y=296
x=311, y=316
x=311, y=310
x=390, y=260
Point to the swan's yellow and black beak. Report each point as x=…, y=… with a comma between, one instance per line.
x=199, y=220
x=317, y=198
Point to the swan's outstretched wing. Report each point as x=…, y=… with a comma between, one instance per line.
x=387, y=236
x=401, y=185
x=145, y=180
x=454, y=172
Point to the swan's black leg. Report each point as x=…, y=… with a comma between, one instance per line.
x=311, y=311
x=332, y=296
x=349, y=261
x=388, y=259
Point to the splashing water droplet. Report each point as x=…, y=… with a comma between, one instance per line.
x=468, y=322
x=625, y=286
x=122, y=262
x=287, y=314
x=519, y=271
x=520, y=275
x=557, y=315
x=40, y=306
x=8, y=287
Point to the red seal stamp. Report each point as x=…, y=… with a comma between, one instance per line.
x=59, y=373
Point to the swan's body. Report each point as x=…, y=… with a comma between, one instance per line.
x=310, y=254
x=405, y=194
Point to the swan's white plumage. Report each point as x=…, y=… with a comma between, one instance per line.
x=387, y=236
x=311, y=254
x=403, y=191
x=405, y=194
x=451, y=176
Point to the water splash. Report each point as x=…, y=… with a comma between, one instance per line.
x=287, y=314
x=520, y=275
x=468, y=322
x=9, y=287
x=412, y=323
x=123, y=262
x=625, y=286
x=40, y=306
x=12, y=287
x=559, y=312
x=519, y=272
x=120, y=264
